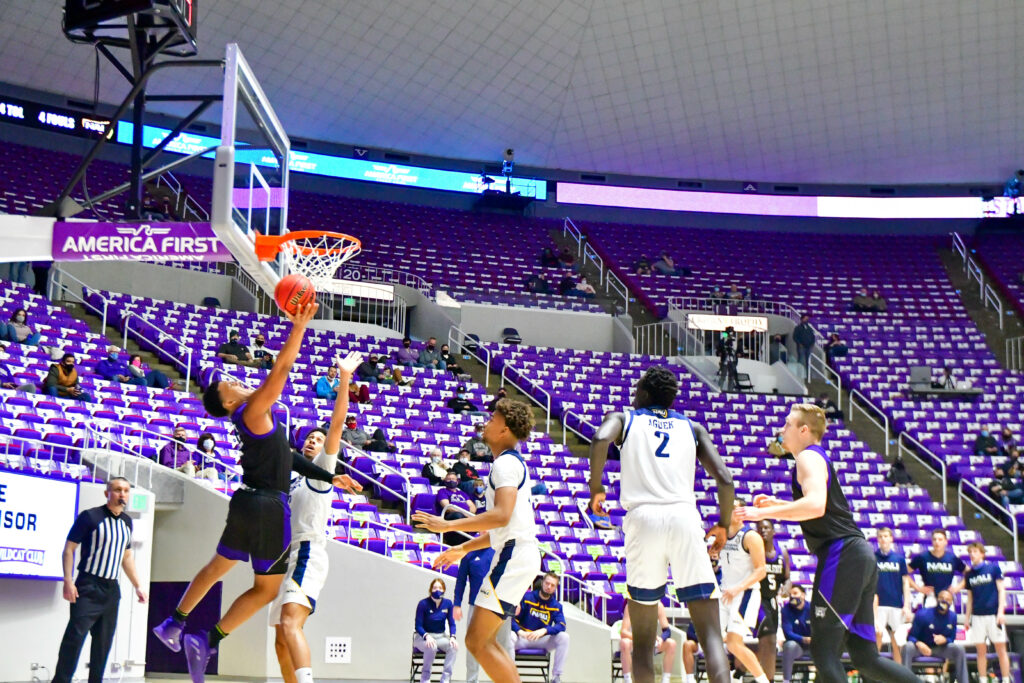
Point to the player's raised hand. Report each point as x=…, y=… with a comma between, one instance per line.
x=433, y=523
x=763, y=500
x=349, y=363
x=304, y=314
x=449, y=557
x=346, y=483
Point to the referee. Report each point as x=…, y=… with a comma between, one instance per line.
x=105, y=535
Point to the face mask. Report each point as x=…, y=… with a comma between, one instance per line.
x=137, y=362
x=112, y=355
x=234, y=340
x=430, y=347
x=350, y=425
x=406, y=344
x=68, y=366
x=19, y=318
x=984, y=432
x=461, y=395
x=795, y=602
x=436, y=460
x=479, y=489
x=436, y=594
x=449, y=484
x=207, y=444
x=464, y=460
x=943, y=607
x=259, y=342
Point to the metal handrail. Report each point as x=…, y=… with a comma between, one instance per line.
x=960, y=248
x=817, y=364
x=566, y=427
x=935, y=460
x=397, y=494
x=58, y=281
x=1011, y=529
x=484, y=358
x=163, y=336
x=884, y=425
x=385, y=274
x=992, y=299
x=613, y=282
x=535, y=385
x=974, y=272
x=1015, y=353
x=589, y=253
x=568, y=227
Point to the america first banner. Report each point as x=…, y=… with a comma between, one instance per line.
x=137, y=242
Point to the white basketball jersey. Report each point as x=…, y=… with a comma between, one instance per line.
x=734, y=560
x=509, y=469
x=310, y=503
x=659, y=456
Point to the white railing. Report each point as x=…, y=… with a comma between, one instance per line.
x=57, y=283
x=992, y=299
x=458, y=338
x=612, y=283
x=960, y=248
x=666, y=338
x=534, y=385
x=566, y=428
x=883, y=425
x=163, y=336
x=590, y=254
x=1010, y=527
x=383, y=313
x=569, y=229
x=974, y=272
x=933, y=462
x=366, y=273
x=405, y=497
x=1015, y=353
x=817, y=364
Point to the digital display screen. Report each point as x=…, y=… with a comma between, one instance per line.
x=340, y=167
x=52, y=118
x=36, y=514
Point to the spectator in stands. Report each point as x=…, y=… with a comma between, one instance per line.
x=538, y=284
x=735, y=295
x=568, y=259
x=479, y=495
x=406, y=356
x=379, y=443
x=835, y=347
x=892, y=593
x=540, y=623
x=260, y=354
x=985, y=443
x=945, y=380
x=450, y=361
x=567, y=285
x=642, y=266
x=777, y=350
x=459, y=403
x=478, y=450
x=986, y=610
x=208, y=459
x=663, y=644
x=796, y=628
x=371, y=370
x=430, y=357
x=233, y=351
x=451, y=495
x=585, y=289
x=803, y=336
x=9, y=381
x=463, y=469
x=352, y=434
x=937, y=566
x=327, y=385
x=717, y=295
x=502, y=393
x=1010, y=485
x=358, y=393
x=933, y=634
x=599, y=517
x=62, y=380
x=112, y=368
x=862, y=301
x=878, y=302
x=434, y=470
x=18, y=330
x=177, y=454
x=142, y=377
x=1007, y=441
x=666, y=265
x=432, y=613
x=832, y=411
x=1012, y=457
x=898, y=474
x=548, y=258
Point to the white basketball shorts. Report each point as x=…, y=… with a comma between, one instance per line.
x=739, y=615
x=984, y=626
x=513, y=570
x=307, y=574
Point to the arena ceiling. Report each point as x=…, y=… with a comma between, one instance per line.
x=859, y=91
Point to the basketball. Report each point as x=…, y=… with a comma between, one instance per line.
x=293, y=292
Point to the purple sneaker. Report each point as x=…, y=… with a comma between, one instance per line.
x=169, y=634
x=197, y=654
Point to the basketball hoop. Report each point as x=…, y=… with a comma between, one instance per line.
x=317, y=254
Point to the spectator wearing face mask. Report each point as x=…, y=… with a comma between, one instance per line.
x=796, y=626
x=142, y=377
x=18, y=330
x=406, y=356
x=1007, y=441
x=233, y=351
x=208, y=463
x=985, y=443
x=261, y=354
x=176, y=454
x=432, y=614
x=352, y=434
x=372, y=370
x=450, y=361
x=327, y=385
x=451, y=495
x=434, y=470
x=459, y=403
x=478, y=495
x=430, y=356
x=933, y=634
x=502, y=393
x=478, y=450
x=62, y=380
x=463, y=469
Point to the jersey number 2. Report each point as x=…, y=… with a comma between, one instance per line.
x=660, y=452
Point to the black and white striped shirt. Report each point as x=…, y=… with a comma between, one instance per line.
x=104, y=537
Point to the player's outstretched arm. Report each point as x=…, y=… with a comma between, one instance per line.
x=268, y=393
x=708, y=456
x=812, y=475
x=609, y=432
x=498, y=516
x=346, y=367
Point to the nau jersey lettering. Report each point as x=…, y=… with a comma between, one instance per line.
x=982, y=582
x=892, y=567
x=937, y=572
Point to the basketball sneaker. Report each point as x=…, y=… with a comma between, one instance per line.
x=169, y=633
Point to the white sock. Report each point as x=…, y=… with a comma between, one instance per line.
x=690, y=678
x=665, y=677
x=627, y=678
x=304, y=675
x=760, y=679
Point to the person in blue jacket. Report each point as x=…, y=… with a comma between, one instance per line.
x=796, y=626
x=473, y=569
x=933, y=634
x=432, y=614
x=540, y=623
x=327, y=386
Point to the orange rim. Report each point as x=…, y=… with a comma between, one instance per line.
x=269, y=246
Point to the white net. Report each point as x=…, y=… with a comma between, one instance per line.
x=319, y=257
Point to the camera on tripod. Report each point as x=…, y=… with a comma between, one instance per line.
x=728, y=360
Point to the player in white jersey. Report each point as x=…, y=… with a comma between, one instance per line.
x=743, y=566
x=659, y=449
x=310, y=503
x=508, y=527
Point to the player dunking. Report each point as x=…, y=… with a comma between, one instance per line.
x=846, y=575
x=659, y=449
x=257, y=526
x=307, y=561
x=509, y=528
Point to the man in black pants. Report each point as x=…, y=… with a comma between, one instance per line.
x=847, y=574
x=258, y=528
x=105, y=535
